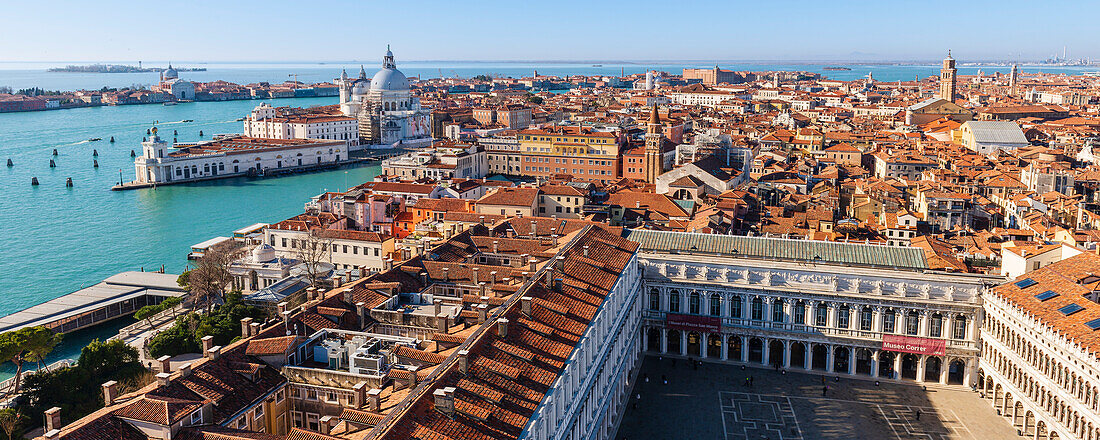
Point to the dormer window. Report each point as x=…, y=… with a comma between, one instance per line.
x=196, y=417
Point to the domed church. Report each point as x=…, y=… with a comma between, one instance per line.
x=388, y=114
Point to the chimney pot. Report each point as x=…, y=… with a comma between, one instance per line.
x=207, y=344
x=464, y=361
x=502, y=327
x=255, y=328
x=282, y=307
x=444, y=402
x=446, y=274
x=441, y=324
x=374, y=400
x=215, y=352
x=53, y=434
x=53, y=419
x=164, y=378
x=185, y=370
x=165, y=364
x=246, y=329
x=525, y=305
x=482, y=311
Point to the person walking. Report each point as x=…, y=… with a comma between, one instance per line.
x=824, y=390
x=918, y=414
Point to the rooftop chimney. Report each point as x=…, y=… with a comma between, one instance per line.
x=207, y=344
x=255, y=328
x=311, y=293
x=164, y=379
x=502, y=327
x=423, y=278
x=441, y=324
x=214, y=352
x=445, y=400
x=110, y=392
x=165, y=364
x=374, y=400
x=464, y=361
x=533, y=264
x=349, y=296
x=53, y=419
x=185, y=370
x=361, y=312
x=525, y=305
x=584, y=251
x=282, y=307
x=327, y=422
x=446, y=274
x=474, y=275
x=496, y=245
x=482, y=311
x=246, y=327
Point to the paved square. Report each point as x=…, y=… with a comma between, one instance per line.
x=715, y=401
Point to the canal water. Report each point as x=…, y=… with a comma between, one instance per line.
x=60, y=239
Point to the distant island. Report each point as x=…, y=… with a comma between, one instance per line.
x=835, y=68
x=118, y=68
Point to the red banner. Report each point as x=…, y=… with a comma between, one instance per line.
x=688, y=323
x=915, y=345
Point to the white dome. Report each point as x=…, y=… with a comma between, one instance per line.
x=360, y=88
x=263, y=253
x=389, y=80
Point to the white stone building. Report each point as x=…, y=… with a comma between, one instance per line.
x=228, y=157
x=266, y=121
x=387, y=111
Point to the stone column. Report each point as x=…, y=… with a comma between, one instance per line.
x=664, y=341
x=725, y=348
x=745, y=349
x=852, y=360
x=874, y=363
x=971, y=376
x=683, y=343
x=922, y=329
x=645, y=338
x=947, y=332
x=766, y=314
x=877, y=312
x=944, y=369
x=703, y=344
x=897, y=365
x=766, y=354
x=830, y=317
x=829, y=356
x=920, y=366
x=787, y=354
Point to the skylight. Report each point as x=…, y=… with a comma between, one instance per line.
x=1070, y=309
x=1046, y=295
x=1094, y=324
x=1025, y=283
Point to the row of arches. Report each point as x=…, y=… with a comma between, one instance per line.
x=1039, y=360
x=813, y=313
x=806, y=355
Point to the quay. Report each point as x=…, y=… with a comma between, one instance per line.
x=117, y=296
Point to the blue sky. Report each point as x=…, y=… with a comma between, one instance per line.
x=336, y=30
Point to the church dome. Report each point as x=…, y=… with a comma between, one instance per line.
x=389, y=80
x=263, y=253
x=170, y=73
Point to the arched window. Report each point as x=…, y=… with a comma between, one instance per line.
x=735, y=306
x=821, y=317
x=693, y=303
x=674, y=301
x=715, y=304
x=888, y=320
x=843, y=317
x=799, y=313
x=960, y=327
x=935, y=326
x=777, y=310
x=912, y=323
x=757, y=309
x=866, y=319
x=654, y=300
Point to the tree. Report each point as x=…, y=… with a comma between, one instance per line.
x=313, y=252
x=9, y=420
x=482, y=78
x=40, y=341
x=184, y=278
x=534, y=99
x=109, y=359
x=13, y=347
x=208, y=281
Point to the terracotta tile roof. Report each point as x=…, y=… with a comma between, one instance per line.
x=160, y=410
x=419, y=355
x=212, y=432
x=509, y=376
x=361, y=417
x=1071, y=279
x=301, y=434
x=271, y=346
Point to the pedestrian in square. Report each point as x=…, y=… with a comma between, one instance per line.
x=918, y=414
x=751, y=379
x=824, y=390
x=646, y=377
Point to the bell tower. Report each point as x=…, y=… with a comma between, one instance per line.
x=948, y=78
x=654, y=162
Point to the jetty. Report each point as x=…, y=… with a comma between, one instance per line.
x=117, y=296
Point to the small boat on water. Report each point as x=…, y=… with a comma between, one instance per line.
x=240, y=119
x=835, y=68
x=95, y=139
x=188, y=120
x=170, y=103
x=597, y=65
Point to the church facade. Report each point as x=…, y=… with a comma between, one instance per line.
x=387, y=112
